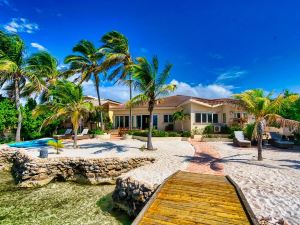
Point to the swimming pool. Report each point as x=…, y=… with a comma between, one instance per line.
x=30, y=144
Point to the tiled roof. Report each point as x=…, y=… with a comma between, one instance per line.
x=177, y=100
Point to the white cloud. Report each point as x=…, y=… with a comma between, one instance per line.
x=231, y=74
x=21, y=25
x=203, y=91
x=121, y=92
x=114, y=92
x=38, y=46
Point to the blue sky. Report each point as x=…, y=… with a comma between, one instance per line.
x=217, y=47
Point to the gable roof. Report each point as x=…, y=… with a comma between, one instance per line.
x=179, y=100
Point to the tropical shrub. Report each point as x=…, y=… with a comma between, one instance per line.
x=57, y=145
x=234, y=128
x=248, y=130
x=97, y=131
x=186, y=134
x=8, y=115
x=196, y=131
x=208, y=129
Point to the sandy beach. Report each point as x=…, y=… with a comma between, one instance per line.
x=272, y=187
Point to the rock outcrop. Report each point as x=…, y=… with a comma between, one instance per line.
x=32, y=172
x=131, y=195
x=6, y=157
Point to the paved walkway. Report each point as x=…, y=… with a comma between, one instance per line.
x=206, y=159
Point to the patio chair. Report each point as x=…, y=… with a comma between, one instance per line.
x=277, y=141
x=67, y=134
x=239, y=139
x=84, y=135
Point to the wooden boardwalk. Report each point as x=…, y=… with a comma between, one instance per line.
x=192, y=198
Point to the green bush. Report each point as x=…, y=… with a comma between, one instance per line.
x=97, y=131
x=186, y=134
x=225, y=130
x=208, y=129
x=248, y=130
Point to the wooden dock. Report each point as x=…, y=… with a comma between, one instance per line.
x=192, y=198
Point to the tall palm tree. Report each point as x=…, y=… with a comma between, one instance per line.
x=13, y=71
x=151, y=84
x=118, y=59
x=67, y=101
x=45, y=66
x=181, y=116
x=86, y=62
x=266, y=110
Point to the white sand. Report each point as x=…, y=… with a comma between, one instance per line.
x=170, y=156
x=272, y=187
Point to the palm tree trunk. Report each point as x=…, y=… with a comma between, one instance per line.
x=259, y=149
x=181, y=125
x=97, y=83
x=18, y=106
x=130, y=97
x=75, y=137
x=149, y=140
x=260, y=132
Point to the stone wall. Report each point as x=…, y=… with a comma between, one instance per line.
x=131, y=195
x=6, y=157
x=31, y=172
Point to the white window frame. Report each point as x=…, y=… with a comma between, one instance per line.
x=207, y=113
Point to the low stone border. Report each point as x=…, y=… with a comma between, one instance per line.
x=141, y=138
x=33, y=172
x=6, y=158
x=131, y=195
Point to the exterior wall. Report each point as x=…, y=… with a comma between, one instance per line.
x=161, y=125
x=228, y=110
x=191, y=109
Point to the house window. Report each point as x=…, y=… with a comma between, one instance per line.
x=206, y=118
x=215, y=118
x=168, y=119
x=237, y=115
x=198, y=118
x=155, y=121
x=224, y=117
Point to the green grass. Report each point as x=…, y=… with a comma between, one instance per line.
x=57, y=203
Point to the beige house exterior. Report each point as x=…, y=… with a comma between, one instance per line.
x=202, y=112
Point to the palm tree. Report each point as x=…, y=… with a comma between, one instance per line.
x=45, y=66
x=151, y=84
x=266, y=110
x=67, y=101
x=13, y=71
x=119, y=60
x=181, y=116
x=86, y=62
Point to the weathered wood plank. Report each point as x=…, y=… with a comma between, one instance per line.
x=189, y=198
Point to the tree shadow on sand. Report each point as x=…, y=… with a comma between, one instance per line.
x=107, y=146
x=295, y=164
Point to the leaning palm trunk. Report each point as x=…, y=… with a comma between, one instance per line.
x=18, y=106
x=130, y=97
x=99, y=101
x=75, y=137
x=260, y=132
x=149, y=140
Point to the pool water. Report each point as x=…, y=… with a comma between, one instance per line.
x=30, y=144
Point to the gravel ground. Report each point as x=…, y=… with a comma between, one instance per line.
x=272, y=187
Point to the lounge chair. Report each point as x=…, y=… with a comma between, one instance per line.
x=277, y=141
x=84, y=135
x=239, y=139
x=67, y=134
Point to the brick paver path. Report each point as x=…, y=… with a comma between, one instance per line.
x=206, y=159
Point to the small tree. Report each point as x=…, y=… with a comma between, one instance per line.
x=180, y=116
x=67, y=101
x=57, y=145
x=266, y=110
x=151, y=84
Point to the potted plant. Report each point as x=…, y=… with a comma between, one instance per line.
x=56, y=144
x=197, y=134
